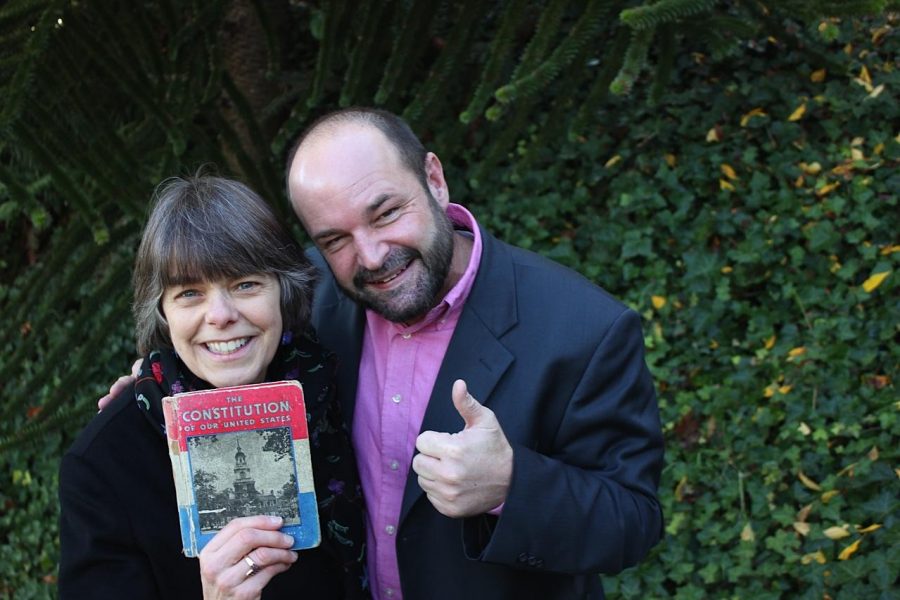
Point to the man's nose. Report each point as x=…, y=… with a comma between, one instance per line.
x=370, y=253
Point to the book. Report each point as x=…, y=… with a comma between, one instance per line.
x=241, y=451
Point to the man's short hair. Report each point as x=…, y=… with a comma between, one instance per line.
x=409, y=148
x=206, y=228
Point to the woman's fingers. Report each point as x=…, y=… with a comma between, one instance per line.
x=242, y=524
x=241, y=559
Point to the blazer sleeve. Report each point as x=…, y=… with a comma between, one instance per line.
x=588, y=503
x=96, y=560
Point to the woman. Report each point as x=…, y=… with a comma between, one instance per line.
x=222, y=296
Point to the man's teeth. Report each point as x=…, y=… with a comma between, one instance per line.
x=392, y=277
x=226, y=347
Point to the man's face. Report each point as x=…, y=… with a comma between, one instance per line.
x=385, y=237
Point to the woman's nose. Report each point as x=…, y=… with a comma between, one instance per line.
x=221, y=310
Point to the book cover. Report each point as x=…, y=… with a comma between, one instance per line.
x=241, y=451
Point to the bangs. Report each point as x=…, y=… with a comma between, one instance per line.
x=190, y=255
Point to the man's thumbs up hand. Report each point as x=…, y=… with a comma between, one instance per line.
x=466, y=473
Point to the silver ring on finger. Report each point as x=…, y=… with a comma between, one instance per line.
x=254, y=568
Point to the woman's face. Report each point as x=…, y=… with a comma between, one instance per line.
x=226, y=331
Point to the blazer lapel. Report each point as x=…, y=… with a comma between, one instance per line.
x=475, y=353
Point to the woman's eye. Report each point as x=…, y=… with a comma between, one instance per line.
x=247, y=285
x=187, y=294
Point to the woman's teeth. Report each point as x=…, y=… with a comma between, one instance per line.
x=226, y=347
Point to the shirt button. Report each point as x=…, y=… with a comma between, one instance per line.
x=396, y=398
x=389, y=530
x=389, y=592
x=406, y=336
x=394, y=465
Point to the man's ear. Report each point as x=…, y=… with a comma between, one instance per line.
x=434, y=177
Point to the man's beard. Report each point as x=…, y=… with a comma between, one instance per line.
x=413, y=299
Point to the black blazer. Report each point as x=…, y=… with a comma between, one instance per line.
x=561, y=363
x=119, y=531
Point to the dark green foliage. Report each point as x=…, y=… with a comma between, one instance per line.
x=753, y=248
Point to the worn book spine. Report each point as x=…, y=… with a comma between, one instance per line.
x=241, y=451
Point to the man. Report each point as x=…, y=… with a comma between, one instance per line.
x=503, y=418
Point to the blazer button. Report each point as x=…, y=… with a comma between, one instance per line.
x=523, y=558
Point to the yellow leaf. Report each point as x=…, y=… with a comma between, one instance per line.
x=679, y=489
x=713, y=344
x=856, y=154
x=870, y=284
x=756, y=112
x=770, y=342
x=724, y=185
x=613, y=161
x=890, y=249
x=848, y=470
x=769, y=391
x=658, y=301
x=880, y=33
x=836, y=533
x=798, y=113
x=812, y=168
x=809, y=482
x=803, y=513
x=713, y=135
x=864, y=75
x=726, y=270
x=857, y=141
x=799, y=181
x=802, y=528
x=873, y=454
x=804, y=428
x=795, y=352
x=826, y=189
x=878, y=149
x=817, y=556
x=827, y=496
x=670, y=159
x=877, y=91
x=818, y=76
x=785, y=389
x=747, y=534
x=849, y=550
x=728, y=171
x=869, y=529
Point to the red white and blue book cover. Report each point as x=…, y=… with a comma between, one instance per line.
x=241, y=451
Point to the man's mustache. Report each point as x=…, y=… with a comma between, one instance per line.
x=397, y=258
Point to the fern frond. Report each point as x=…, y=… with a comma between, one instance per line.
x=583, y=32
x=497, y=56
x=633, y=63
x=408, y=47
x=651, y=16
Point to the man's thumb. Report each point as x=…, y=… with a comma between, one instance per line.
x=467, y=406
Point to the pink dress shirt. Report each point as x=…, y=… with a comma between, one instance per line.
x=397, y=371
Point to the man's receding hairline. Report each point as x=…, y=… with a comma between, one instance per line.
x=332, y=127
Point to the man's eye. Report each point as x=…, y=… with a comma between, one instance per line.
x=332, y=243
x=388, y=214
